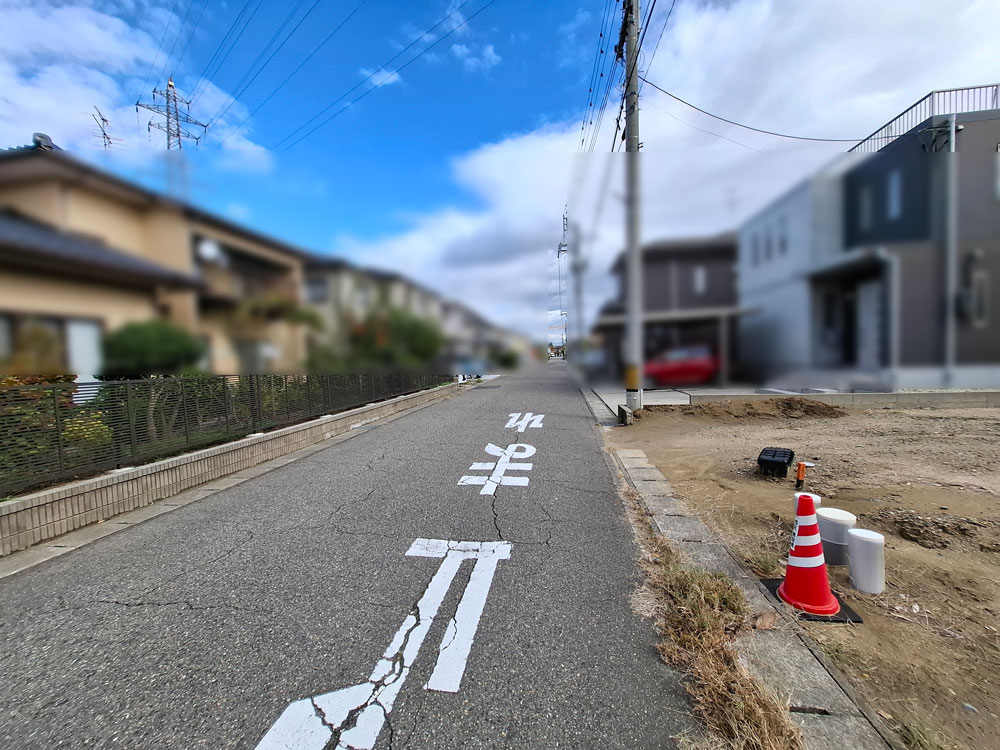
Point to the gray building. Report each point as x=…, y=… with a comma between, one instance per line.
x=689, y=299
x=878, y=271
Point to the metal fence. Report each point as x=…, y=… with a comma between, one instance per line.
x=943, y=102
x=60, y=431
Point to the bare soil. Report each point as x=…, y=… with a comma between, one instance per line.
x=927, y=657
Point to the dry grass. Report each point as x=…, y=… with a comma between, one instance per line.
x=698, y=615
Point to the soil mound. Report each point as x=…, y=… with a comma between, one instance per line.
x=786, y=407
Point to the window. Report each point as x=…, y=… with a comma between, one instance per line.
x=768, y=245
x=700, y=279
x=756, y=249
x=865, y=208
x=782, y=236
x=894, y=195
x=316, y=289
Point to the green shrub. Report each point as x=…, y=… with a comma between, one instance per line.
x=155, y=347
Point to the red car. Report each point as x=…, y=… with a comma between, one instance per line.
x=690, y=365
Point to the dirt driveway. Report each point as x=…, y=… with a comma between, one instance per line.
x=927, y=657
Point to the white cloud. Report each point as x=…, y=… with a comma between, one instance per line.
x=573, y=51
x=380, y=76
x=836, y=68
x=485, y=59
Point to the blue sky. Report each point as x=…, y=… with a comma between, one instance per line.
x=456, y=171
x=388, y=156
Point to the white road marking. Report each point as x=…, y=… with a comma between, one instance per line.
x=523, y=422
x=359, y=712
x=499, y=468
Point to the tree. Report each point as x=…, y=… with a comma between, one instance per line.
x=154, y=347
x=394, y=339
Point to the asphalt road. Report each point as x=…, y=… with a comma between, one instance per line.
x=198, y=628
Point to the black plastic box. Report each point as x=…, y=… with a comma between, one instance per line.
x=774, y=462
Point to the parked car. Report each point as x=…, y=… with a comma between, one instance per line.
x=689, y=365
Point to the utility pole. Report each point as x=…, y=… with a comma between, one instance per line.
x=560, y=252
x=577, y=266
x=633, y=261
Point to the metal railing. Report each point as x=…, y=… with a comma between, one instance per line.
x=61, y=431
x=942, y=102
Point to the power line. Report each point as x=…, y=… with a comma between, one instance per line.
x=299, y=67
x=695, y=127
x=596, y=66
x=748, y=127
x=177, y=36
x=370, y=77
x=238, y=92
x=660, y=37
x=194, y=28
x=159, y=48
x=232, y=46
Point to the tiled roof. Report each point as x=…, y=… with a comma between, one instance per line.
x=32, y=242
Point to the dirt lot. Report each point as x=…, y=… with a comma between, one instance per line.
x=927, y=657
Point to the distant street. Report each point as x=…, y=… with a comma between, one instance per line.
x=442, y=580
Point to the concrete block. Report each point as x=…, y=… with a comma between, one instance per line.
x=683, y=528
x=783, y=661
x=825, y=732
x=646, y=474
x=655, y=487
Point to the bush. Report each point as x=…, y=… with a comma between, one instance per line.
x=155, y=347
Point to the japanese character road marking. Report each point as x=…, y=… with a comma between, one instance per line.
x=525, y=421
x=499, y=468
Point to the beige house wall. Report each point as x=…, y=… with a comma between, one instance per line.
x=41, y=294
x=40, y=200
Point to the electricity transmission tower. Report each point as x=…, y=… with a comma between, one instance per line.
x=174, y=119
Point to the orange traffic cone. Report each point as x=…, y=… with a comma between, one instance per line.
x=806, y=586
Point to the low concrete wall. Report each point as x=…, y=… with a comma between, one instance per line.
x=935, y=399
x=43, y=515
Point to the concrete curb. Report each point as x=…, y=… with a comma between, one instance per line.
x=155, y=495
x=903, y=400
x=830, y=713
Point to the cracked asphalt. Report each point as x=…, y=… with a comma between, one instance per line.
x=197, y=628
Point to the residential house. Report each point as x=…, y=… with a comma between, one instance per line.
x=228, y=282
x=689, y=299
x=892, y=258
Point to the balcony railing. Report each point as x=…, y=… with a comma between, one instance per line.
x=943, y=102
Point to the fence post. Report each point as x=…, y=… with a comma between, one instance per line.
x=59, y=436
x=184, y=409
x=225, y=402
x=255, y=379
x=288, y=402
x=130, y=410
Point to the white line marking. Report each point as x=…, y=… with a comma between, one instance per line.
x=453, y=653
x=359, y=712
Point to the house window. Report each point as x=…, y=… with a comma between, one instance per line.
x=700, y=280
x=894, y=195
x=865, y=208
x=316, y=290
x=782, y=236
x=768, y=245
